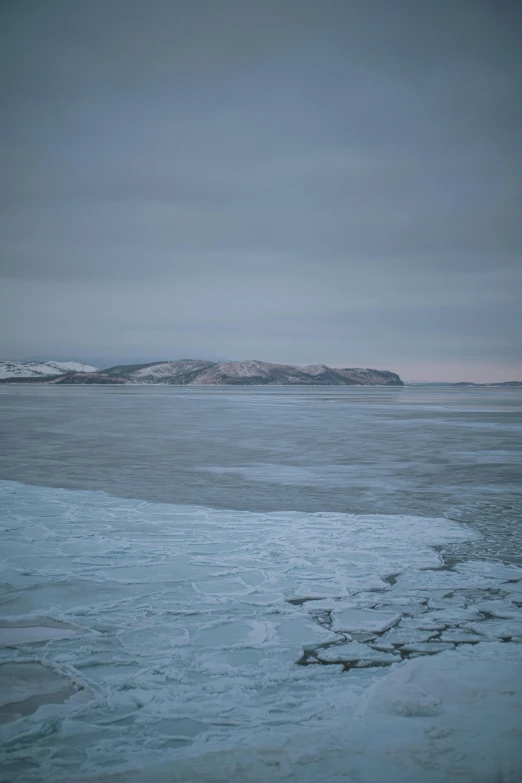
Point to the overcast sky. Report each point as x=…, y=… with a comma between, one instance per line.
x=300, y=181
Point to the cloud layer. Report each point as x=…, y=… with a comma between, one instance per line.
x=288, y=180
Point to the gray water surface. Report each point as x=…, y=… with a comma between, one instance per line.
x=415, y=450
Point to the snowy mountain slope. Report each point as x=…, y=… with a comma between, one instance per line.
x=252, y=372
x=256, y=372
x=184, y=371
x=72, y=366
x=41, y=369
x=365, y=375
x=249, y=372
x=177, y=372
x=199, y=372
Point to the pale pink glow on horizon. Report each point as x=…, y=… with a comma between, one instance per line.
x=449, y=372
x=474, y=372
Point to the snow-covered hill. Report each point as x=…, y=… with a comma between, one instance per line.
x=41, y=369
x=244, y=373
x=200, y=373
x=183, y=371
x=256, y=372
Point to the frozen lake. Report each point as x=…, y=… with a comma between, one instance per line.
x=261, y=584
x=414, y=450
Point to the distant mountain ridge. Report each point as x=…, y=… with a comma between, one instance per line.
x=200, y=372
x=244, y=373
x=41, y=370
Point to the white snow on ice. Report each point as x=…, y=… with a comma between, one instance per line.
x=143, y=641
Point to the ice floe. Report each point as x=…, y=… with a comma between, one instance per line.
x=28, y=685
x=141, y=638
x=360, y=620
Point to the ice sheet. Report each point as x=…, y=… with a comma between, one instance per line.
x=255, y=646
x=13, y=635
x=27, y=686
x=423, y=721
x=360, y=620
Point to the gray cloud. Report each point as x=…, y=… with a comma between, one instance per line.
x=301, y=181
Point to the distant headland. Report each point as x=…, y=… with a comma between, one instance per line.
x=198, y=373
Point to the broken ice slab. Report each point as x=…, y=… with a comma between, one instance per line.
x=400, y=635
x=354, y=651
x=80, y=595
x=382, y=646
x=496, y=629
x=316, y=590
x=361, y=620
x=316, y=605
x=227, y=634
x=303, y=631
x=425, y=623
x=459, y=636
x=236, y=659
x=13, y=577
x=179, y=727
x=335, y=602
x=491, y=569
x=427, y=647
x=503, y=609
x=433, y=582
x=262, y=599
x=222, y=587
x=513, y=587
x=26, y=686
x=41, y=631
x=166, y=635
x=406, y=602
x=413, y=608
x=459, y=614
